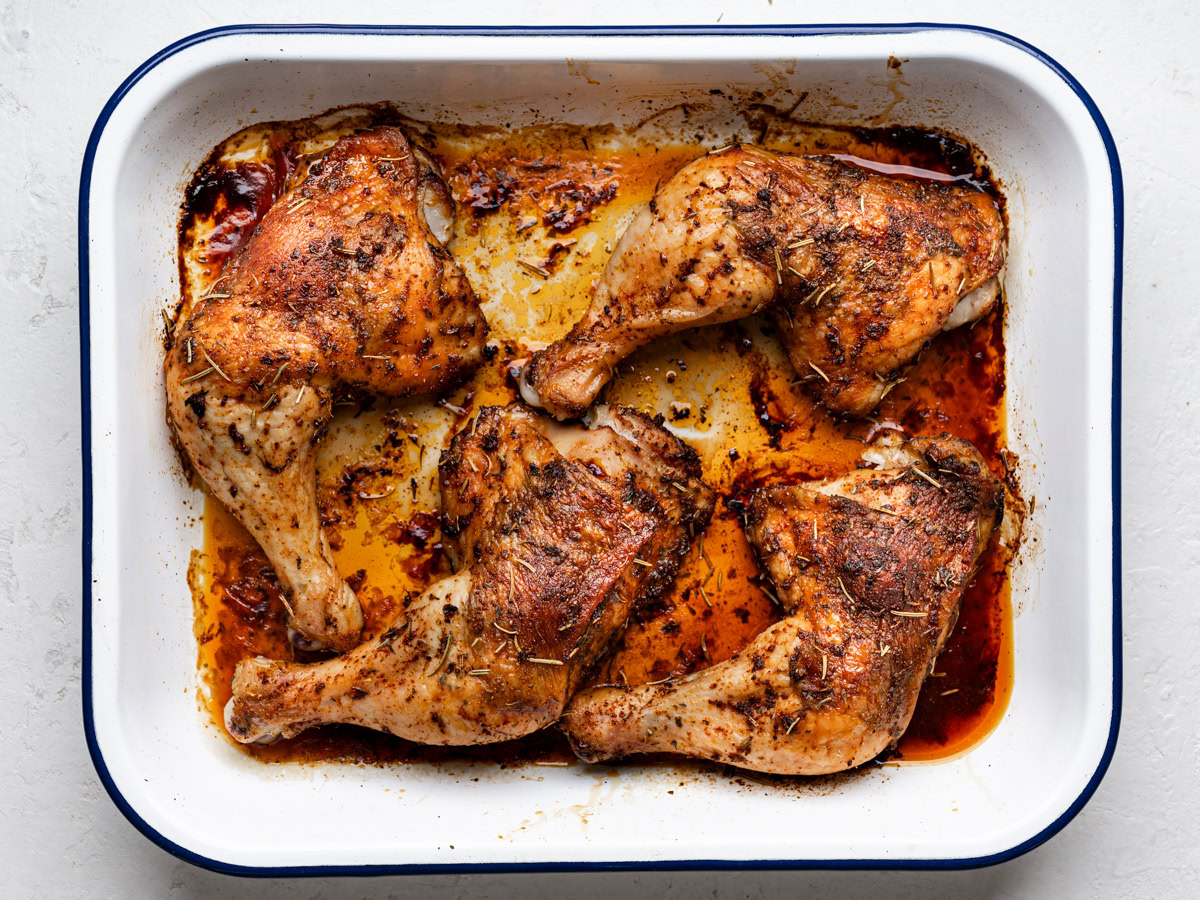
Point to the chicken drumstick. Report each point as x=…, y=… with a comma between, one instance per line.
x=344, y=284
x=870, y=568
x=556, y=532
x=859, y=268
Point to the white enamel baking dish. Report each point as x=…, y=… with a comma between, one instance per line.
x=186, y=788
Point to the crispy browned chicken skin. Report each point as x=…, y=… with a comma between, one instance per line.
x=870, y=569
x=556, y=532
x=859, y=268
x=343, y=285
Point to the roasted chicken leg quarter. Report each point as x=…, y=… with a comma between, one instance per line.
x=860, y=270
x=870, y=568
x=556, y=532
x=343, y=285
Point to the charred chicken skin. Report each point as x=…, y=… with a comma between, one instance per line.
x=859, y=270
x=870, y=569
x=344, y=285
x=556, y=532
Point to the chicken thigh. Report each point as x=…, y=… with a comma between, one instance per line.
x=556, y=532
x=343, y=285
x=870, y=568
x=860, y=270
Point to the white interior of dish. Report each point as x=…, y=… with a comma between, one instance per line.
x=190, y=785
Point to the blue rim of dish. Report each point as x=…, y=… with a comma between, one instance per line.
x=647, y=865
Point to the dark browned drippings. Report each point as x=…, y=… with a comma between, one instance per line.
x=917, y=153
x=235, y=198
x=718, y=603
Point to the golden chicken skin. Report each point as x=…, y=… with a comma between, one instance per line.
x=343, y=286
x=556, y=533
x=869, y=569
x=858, y=269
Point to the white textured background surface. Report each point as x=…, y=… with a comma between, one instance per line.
x=60, y=835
